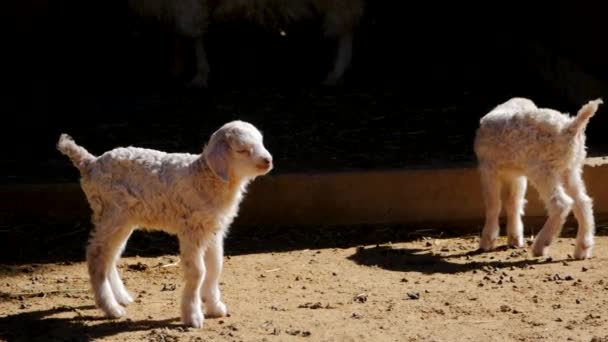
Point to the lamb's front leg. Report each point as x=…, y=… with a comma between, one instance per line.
x=211, y=289
x=191, y=254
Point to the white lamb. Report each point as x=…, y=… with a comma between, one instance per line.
x=195, y=197
x=516, y=141
x=191, y=18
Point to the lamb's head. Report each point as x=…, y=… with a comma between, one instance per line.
x=236, y=150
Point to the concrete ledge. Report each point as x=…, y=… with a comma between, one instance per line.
x=450, y=197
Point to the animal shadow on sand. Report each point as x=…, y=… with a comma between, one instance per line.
x=458, y=257
x=424, y=260
x=52, y=325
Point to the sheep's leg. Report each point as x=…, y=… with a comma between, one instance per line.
x=491, y=186
x=103, y=247
x=177, y=65
x=558, y=205
x=342, y=60
x=201, y=78
x=191, y=254
x=211, y=290
x=583, y=211
x=514, y=208
x=118, y=288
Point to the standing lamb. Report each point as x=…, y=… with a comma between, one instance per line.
x=195, y=197
x=191, y=18
x=516, y=141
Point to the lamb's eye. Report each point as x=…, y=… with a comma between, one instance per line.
x=243, y=151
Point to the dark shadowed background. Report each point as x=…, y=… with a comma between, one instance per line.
x=423, y=74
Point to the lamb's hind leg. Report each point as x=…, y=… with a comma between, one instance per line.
x=490, y=186
x=118, y=288
x=514, y=208
x=104, y=245
x=558, y=204
x=583, y=212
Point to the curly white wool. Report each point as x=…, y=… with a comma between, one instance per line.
x=517, y=141
x=195, y=197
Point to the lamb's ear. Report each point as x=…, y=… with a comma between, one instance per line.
x=216, y=155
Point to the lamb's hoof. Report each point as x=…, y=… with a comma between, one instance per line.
x=540, y=250
x=582, y=252
x=194, y=319
x=115, y=311
x=219, y=309
x=517, y=242
x=198, y=83
x=124, y=298
x=487, y=245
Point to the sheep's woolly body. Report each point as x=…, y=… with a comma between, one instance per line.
x=159, y=190
x=269, y=13
x=514, y=137
x=516, y=141
x=341, y=16
x=191, y=18
x=195, y=197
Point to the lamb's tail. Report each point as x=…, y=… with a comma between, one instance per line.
x=584, y=114
x=78, y=154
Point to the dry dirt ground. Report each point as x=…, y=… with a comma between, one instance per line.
x=427, y=289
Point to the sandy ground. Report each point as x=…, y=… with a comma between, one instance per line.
x=427, y=289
